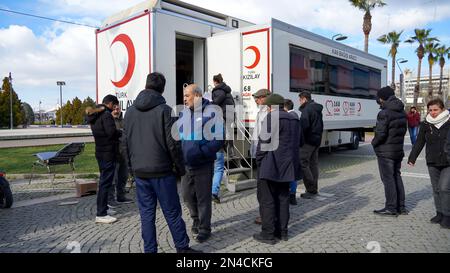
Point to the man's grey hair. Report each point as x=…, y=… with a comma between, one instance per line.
x=195, y=89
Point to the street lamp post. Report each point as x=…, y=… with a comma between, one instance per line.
x=11, y=102
x=40, y=115
x=60, y=84
x=402, y=78
x=339, y=37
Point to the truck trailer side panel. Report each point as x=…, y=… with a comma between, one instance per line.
x=124, y=58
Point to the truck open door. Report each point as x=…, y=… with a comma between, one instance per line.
x=243, y=57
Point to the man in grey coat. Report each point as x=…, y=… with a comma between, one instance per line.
x=277, y=158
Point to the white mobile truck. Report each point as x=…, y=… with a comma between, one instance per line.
x=189, y=44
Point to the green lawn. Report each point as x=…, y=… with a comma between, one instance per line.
x=20, y=160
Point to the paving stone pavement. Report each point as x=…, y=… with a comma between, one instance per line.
x=340, y=220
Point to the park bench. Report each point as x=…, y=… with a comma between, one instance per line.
x=65, y=156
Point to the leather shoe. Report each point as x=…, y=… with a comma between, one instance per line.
x=264, y=239
x=386, y=212
x=203, y=237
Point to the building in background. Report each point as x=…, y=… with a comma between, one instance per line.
x=410, y=80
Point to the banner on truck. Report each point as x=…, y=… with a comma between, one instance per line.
x=255, y=70
x=124, y=59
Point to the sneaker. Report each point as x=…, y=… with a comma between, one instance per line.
x=308, y=195
x=105, y=219
x=293, y=200
x=203, y=237
x=265, y=240
x=188, y=250
x=216, y=199
x=111, y=212
x=403, y=211
x=124, y=201
x=113, y=205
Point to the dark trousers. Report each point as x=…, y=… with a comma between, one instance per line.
x=120, y=180
x=393, y=184
x=309, y=160
x=440, y=180
x=197, y=187
x=107, y=170
x=164, y=190
x=273, y=198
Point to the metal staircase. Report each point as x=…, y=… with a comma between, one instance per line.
x=239, y=173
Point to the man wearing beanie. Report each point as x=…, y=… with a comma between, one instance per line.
x=388, y=144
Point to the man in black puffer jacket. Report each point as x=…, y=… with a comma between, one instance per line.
x=156, y=160
x=311, y=122
x=388, y=145
x=106, y=138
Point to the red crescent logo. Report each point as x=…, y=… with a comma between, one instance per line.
x=258, y=56
x=125, y=39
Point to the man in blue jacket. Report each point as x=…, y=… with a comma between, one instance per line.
x=277, y=158
x=202, y=137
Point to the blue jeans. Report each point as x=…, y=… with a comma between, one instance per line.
x=293, y=186
x=219, y=166
x=413, y=131
x=164, y=190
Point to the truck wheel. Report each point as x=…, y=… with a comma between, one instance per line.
x=6, y=197
x=355, y=144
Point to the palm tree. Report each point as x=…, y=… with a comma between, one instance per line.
x=422, y=37
x=392, y=38
x=367, y=6
x=431, y=48
x=441, y=53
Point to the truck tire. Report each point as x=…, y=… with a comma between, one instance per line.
x=6, y=197
x=355, y=144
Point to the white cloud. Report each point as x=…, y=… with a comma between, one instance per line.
x=41, y=61
x=97, y=8
x=334, y=15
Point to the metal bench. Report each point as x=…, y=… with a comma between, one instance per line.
x=65, y=156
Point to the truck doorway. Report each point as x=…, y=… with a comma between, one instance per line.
x=190, y=63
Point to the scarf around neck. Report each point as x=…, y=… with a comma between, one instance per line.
x=440, y=120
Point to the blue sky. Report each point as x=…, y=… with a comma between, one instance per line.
x=40, y=52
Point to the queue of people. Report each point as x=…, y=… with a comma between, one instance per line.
x=146, y=146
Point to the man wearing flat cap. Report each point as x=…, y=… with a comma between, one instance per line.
x=388, y=145
x=277, y=159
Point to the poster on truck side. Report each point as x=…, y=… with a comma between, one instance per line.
x=124, y=59
x=256, y=72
